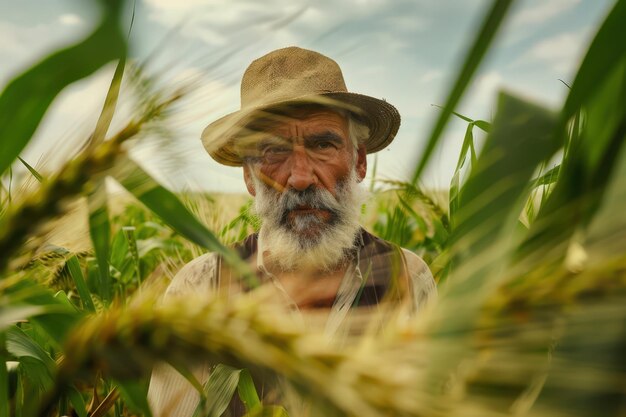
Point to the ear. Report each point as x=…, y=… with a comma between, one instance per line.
x=361, y=162
x=247, y=177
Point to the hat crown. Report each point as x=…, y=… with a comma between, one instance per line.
x=287, y=74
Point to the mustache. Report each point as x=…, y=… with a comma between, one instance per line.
x=315, y=198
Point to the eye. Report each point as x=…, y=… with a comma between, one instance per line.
x=324, y=145
x=276, y=153
x=276, y=150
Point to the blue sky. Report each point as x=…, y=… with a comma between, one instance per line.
x=405, y=51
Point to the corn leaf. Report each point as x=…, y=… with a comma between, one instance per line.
x=218, y=391
x=603, y=55
x=29, y=300
x=77, y=401
x=4, y=378
x=585, y=173
x=268, y=411
x=26, y=98
x=550, y=177
x=35, y=362
x=247, y=391
x=479, y=48
x=20, y=345
x=169, y=208
x=135, y=396
x=496, y=191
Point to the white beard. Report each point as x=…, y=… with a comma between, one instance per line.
x=308, y=242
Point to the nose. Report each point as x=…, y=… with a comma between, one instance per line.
x=301, y=176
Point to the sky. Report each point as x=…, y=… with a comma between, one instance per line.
x=405, y=51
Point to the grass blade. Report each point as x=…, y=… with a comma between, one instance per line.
x=603, y=55
x=81, y=286
x=547, y=178
x=455, y=184
x=4, y=378
x=100, y=232
x=26, y=98
x=476, y=53
x=32, y=170
x=77, y=401
x=135, y=396
x=268, y=411
x=247, y=391
x=129, y=234
x=481, y=124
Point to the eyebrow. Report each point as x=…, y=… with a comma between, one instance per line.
x=324, y=136
x=273, y=140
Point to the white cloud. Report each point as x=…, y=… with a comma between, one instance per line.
x=560, y=52
x=430, y=75
x=541, y=11
x=70, y=19
x=482, y=94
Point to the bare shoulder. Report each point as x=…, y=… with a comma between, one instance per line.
x=199, y=275
x=421, y=278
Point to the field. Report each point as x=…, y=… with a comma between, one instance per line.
x=529, y=259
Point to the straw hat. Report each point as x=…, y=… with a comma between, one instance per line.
x=292, y=76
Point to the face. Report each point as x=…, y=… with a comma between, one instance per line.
x=311, y=149
x=304, y=172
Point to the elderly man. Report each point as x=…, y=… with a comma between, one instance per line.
x=302, y=140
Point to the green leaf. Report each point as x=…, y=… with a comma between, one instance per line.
x=455, y=184
x=81, y=286
x=603, y=56
x=247, y=391
x=34, y=362
x=481, y=124
x=547, y=178
x=586, y=171
x=29, y=300
x=268, y=411
x=78, y=403
x=169, y=208
x=20, y=345
x=4, y=379
x=129, y=234
x=481, y=44
x=495, y=193
x=485, y=236
x=110, y=102
x=32, y=170
x=100, y=232
x=218, y=390
x=26, y=98
x=135, y=396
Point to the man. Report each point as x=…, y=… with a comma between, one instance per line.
x=302, y=141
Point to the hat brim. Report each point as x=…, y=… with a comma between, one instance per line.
x=382, y=119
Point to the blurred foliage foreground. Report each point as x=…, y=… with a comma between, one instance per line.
x=528, y=252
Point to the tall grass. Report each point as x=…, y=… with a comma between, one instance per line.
x=529, y=259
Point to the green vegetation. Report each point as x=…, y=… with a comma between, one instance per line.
x=529, y=258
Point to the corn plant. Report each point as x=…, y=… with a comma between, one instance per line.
x=530, y=262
